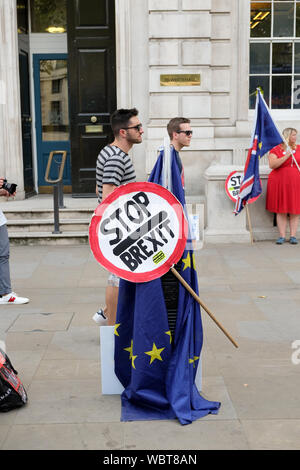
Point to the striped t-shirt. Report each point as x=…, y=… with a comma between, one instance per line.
x=113, y=167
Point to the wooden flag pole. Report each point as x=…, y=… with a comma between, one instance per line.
x=197, y=298
x=249, y=223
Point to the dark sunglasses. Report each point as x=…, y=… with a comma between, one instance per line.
x=137, y=127
x=187, y=133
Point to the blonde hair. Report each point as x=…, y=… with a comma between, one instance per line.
x=287, y=133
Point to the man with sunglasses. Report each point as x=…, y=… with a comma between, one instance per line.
x=180, y=133
x=114, y=167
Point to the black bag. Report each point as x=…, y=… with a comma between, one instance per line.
x=12, y=392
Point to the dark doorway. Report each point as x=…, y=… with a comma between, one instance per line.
x=23, y=43
x=92, y=86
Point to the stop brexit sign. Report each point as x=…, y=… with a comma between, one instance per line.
x=139, y=231
x=232, y=186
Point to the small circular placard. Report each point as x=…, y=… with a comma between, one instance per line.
x=139, y=231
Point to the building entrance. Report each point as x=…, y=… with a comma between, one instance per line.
x=92, y=86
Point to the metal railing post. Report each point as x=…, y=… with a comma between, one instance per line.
x=56, y=209
x=58, y=195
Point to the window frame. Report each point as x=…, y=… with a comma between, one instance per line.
x=271, y=40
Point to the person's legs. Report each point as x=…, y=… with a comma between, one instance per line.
x=111, y=299
x=294, y=220
x=5, y=283
x=6, y=294
x=281, y=224
x=107, y=315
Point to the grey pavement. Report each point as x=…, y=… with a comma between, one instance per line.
x=253, y=290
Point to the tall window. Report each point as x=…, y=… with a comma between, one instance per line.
x=275, y=53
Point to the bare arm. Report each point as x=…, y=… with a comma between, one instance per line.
x=107, y=189
x=275, y=162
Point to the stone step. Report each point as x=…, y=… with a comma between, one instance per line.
x=48, y=238
x=31, y=221
x=47, y=225
x=35, y=225
x=33, y=214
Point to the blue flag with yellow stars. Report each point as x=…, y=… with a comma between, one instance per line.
x=156, y=368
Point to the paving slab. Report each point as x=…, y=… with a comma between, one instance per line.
x=42, y=322
x=273, y=434
x=268, y=397
x=87, y=436
x=61, y=400
x=200, y=435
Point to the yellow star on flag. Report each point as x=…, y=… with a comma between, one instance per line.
x=116, y=329
x=192, y=361
x=194, y=261
x=187, y=261
x=169, y=334
x=129, y=349
x=155, y=353
x=132, y=361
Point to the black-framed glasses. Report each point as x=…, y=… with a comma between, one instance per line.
x=137, y=127
x=187, y=133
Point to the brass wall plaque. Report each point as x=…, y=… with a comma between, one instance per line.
x=94, y=128
x=180, y=79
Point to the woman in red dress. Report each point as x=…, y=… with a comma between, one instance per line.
x=283, y=191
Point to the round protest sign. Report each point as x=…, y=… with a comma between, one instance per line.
x=232, y=186
x=138, y=232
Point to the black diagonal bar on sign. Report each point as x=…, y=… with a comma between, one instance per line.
x=140, y=232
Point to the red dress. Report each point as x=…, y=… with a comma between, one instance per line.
x=283, y=190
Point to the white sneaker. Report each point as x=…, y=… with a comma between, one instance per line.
x=100, y=318
x=13, y=298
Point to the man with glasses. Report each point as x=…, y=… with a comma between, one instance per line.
x=114, y=167
x=180, y=133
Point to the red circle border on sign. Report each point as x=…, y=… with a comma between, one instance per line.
x=179, y=248
x=228, y=177
x=228, y=193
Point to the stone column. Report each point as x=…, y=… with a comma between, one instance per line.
x=123, y=53
x=11, y=155
x=132, y=68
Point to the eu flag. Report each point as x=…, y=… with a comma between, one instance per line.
x=156, y=368
x=265, y=136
